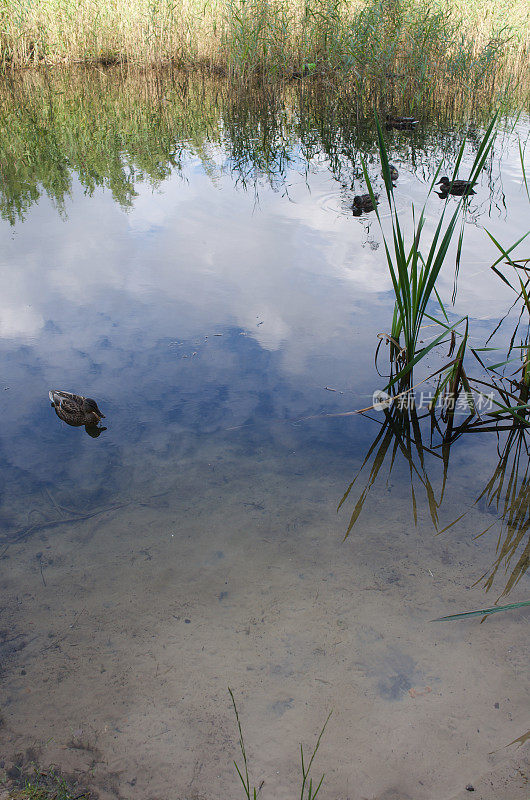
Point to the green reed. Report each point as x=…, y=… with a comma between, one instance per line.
x=414, y=269
x=507, y=495
x=513, y=390
x=307, y=790
x=508, y=491
x=483, y=612
x=399, y=444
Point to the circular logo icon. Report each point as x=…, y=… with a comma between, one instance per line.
x=381, y=400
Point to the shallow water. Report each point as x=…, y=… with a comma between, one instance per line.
x=205, y=280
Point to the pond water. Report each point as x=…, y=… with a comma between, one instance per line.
x=189, y=259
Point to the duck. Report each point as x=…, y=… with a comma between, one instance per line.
x=457, y=187
x=297, y=75
x=401, y=123
x=363, y=202
x=74, y=409
x=394, y=174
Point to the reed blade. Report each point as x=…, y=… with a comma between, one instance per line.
x=481, y=612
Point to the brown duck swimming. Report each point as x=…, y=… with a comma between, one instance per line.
x=74, y=409
x=363, y=202
x=394, y=174
x=458, y=188
x=401, y=123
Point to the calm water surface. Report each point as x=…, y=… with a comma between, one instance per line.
x=190, y=260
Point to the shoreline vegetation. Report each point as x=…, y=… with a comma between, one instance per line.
x=116, y=127
x=471, y=43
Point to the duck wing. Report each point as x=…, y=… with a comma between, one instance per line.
x=66, y=402
x=462, y=187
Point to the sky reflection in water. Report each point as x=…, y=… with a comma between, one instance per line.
x=194, y=266
x=214, y=307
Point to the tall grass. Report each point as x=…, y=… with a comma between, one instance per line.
x=419, y=39
x=414, y=268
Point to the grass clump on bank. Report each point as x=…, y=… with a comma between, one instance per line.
x=46, y=785
x=398, y=39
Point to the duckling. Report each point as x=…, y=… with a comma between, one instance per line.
x=363, y=202
x=458, y=187
x=401, y=123
x=74, y=409
x=394, y=174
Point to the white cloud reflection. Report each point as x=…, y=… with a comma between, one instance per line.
x=297, y=273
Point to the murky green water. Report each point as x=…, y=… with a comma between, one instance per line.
x=189, y=258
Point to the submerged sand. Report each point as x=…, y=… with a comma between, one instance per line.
x=122, y=633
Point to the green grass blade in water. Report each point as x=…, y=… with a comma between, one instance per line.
x=482, y=611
